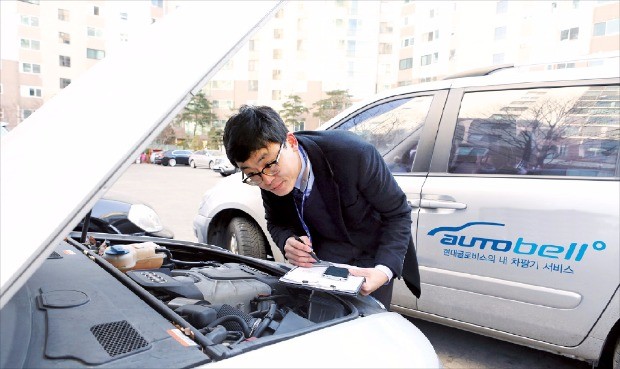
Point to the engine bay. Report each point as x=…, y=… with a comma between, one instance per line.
x=227, y=302
x=120, y=301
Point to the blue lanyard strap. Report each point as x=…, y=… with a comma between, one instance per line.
x=304, y=195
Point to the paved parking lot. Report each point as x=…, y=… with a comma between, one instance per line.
x=175, y=194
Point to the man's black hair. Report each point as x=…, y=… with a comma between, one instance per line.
x=251, y=129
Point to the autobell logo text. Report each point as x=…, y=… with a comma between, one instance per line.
x=575, y=251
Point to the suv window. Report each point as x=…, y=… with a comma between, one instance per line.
x=391, y=123
x=565, y=131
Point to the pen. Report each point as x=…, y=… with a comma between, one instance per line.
x=311, y=252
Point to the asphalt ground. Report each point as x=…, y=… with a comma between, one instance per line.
x=175, y=194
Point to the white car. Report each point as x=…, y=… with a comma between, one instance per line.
x=513, y=178
x=205, y=158
x=71, y=300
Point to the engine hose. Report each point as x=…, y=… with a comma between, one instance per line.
x=266, y=321
x=238, y=319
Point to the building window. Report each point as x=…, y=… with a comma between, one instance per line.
x=26, y=113
x=353, y=25
x=221, y=85
x=299, y=126
x=562, y=66
x=95, y=54
x=498, y=58
x=277, y=33
x=94, y=32
x=64, y=38
x=253, y=85
x=606, y=28
x=500, y=33
x=385, y=48
x=429, y=59
x=63, y=15
x=64, y=82
x=95, y=10
x=405, y=64
x=251, y=45
x=407, y=42
x=384, y=27
x=31, y=68
x=123, y=16
x=30, y=91
x=157, y=3
x=430, y=36
x=501, y=7
x=569, y=34
x=351, y=48
x=277, y=53
x=300, y=45
x=452, y=54
x=64, y=61
x=276, y=95
x=30, y=44
x=30, y=20
x=123, y=37
x=276, y=74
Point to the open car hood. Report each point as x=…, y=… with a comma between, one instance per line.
x=120, y=105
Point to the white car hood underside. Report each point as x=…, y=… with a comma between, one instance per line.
x=52, y=170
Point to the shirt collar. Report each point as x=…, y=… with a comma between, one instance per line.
x=303, y=178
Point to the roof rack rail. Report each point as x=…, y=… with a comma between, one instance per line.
x=484, y=71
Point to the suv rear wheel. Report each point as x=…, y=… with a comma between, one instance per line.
x=172, y=162
x=244, y=237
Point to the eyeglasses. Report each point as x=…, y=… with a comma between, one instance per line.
x=270, y=169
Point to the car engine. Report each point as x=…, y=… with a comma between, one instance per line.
x=227, y=302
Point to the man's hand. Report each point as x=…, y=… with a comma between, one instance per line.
x=375, y=278
x=298, y=253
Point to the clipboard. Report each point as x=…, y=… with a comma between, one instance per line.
x=312, y=278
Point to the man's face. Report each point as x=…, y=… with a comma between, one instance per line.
x=289, y=165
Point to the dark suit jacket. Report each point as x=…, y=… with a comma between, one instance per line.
x=364, y=205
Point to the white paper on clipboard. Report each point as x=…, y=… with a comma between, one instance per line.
x=313, y=278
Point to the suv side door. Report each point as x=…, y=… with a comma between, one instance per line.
x=403, y=128
x=518, y=219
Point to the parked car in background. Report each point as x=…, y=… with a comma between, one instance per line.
x=514, y=183
x=125, y=301
x=205, y=158
x=156, y=157
x=225, y=168
x=174, y=157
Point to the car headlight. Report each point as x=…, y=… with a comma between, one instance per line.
x=145, y=218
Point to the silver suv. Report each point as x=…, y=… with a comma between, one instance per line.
x=513, y=178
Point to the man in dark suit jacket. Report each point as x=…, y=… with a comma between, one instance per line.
x=334, y=191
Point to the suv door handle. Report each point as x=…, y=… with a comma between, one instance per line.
x=414, y=203
x=440, y=204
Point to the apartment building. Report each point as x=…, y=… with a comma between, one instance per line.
x=46, y=45
x=309, y=47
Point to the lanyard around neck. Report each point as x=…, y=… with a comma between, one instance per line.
x=304, y=183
